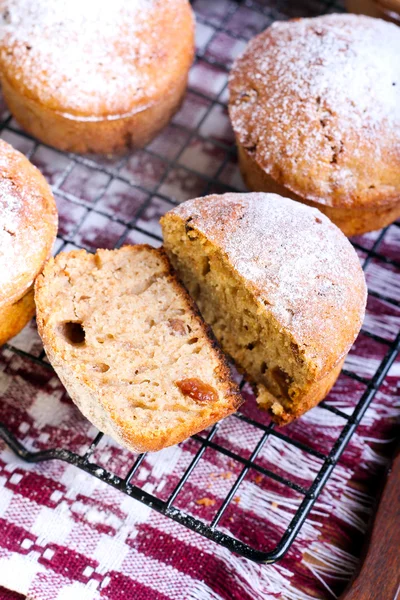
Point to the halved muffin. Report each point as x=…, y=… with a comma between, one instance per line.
x=130, y=346
x=279, y=284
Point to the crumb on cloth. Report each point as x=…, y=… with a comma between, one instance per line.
x=205, y=502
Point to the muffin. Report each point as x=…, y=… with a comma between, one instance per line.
x=279, y=284
x=28, y=227
x=315, y=106
x=95, y=76
x=130, y=347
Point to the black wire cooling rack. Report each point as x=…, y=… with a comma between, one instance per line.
x=216, y=27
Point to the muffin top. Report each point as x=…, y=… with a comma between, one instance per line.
x=295, y=261
x=94, y=59
x=316, y=103
x=28, y=223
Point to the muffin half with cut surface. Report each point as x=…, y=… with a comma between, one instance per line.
x=279, y=284
x=131, y=348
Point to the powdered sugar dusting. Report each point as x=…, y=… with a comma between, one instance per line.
x=318, y=98
x=89, y=58
x=14, y=258
x=299, y=265
x=27, y=224
x=10, y=219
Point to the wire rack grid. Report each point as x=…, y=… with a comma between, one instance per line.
x=108, y=202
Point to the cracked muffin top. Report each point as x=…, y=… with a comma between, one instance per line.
x=28, y=223
x=316, y=103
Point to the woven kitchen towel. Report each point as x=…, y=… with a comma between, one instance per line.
x=67, y=535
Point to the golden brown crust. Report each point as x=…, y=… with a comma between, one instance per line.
x=352, y=221
x=28, y=227
x=321, y=140
x=77, y=96
x=105, y=136
x=312, y=395
x=95, y=401
x=14, y=316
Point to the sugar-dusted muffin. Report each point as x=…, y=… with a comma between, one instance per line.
x=130, y=346
x=28, y=227
x=315, y=106
x=94, y=75
x=279, y=284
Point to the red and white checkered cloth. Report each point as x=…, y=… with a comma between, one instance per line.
x=66, y=535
